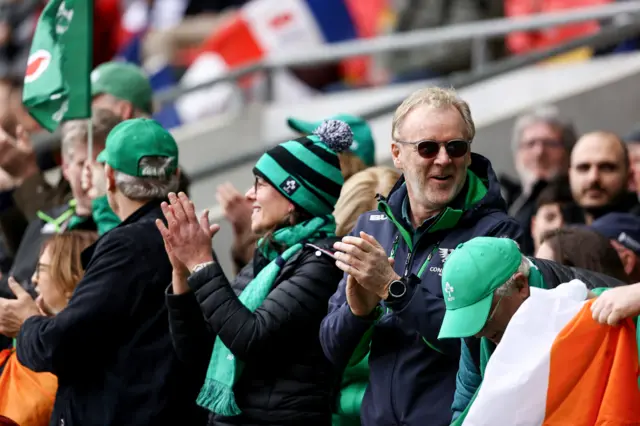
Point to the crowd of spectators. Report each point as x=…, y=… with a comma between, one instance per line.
x=347, y=302
x=337, y=295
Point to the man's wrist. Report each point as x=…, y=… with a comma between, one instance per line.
x=385, y=289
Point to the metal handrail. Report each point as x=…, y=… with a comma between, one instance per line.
x=410, y=40
x=607, y=36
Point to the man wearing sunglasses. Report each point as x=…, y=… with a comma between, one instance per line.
x=485, y=281
x=447, y=195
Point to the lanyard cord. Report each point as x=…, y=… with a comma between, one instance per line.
x=58, y=221
x=407, y=264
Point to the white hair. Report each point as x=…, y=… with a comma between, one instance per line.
x=547, y=114
x=508, y=287
x=435, y=97
x=157, y=185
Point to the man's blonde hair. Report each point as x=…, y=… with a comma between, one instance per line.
x=434, y=97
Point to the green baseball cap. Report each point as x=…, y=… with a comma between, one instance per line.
x=363, y=144
x=132, y=140
x=470, y=275
x=124, y=81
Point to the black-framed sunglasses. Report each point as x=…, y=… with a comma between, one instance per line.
x=429, y=149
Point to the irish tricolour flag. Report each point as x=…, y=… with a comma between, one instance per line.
x=556, y=366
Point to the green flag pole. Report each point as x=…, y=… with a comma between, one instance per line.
x=90, y=139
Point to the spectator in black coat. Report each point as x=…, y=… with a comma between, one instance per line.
x=266, y=366
x=110, y=347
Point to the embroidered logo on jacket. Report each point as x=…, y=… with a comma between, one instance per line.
x=444, y=254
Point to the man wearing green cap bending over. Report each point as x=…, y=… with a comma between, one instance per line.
x=110, y=347
x=122, y=88
x=484, y=282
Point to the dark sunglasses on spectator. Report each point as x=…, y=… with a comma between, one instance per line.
x=429, y=149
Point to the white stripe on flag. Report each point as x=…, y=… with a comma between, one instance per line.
x=217, y=99
x=282, y=24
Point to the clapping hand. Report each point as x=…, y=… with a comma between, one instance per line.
x=187, y=238
x=366, y=260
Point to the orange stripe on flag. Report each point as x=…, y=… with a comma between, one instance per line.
x=593, y=376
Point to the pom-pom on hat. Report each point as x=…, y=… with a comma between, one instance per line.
x=307, y=170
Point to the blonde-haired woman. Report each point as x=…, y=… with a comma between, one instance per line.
x=58, y=272
x=358, y=195
x=59, y=269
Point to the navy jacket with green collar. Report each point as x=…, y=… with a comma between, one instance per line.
x=412, y=373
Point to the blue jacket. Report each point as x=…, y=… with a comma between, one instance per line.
x=413, y=374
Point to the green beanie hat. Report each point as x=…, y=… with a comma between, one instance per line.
x=307, y=170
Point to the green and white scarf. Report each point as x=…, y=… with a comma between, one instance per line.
x=224, y=369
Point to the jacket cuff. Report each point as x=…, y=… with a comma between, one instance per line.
x=180, y=302
x=399, y=304
x=362, y=322
x=182, y=307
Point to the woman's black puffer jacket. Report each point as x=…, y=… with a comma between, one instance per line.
x=286, y=379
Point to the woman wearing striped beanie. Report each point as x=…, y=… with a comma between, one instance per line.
x=257, y=337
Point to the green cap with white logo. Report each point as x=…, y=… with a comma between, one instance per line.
x=132, y=140
x=470, y=275
x=363, y=144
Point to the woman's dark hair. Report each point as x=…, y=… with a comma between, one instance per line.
x=583, y=248
x=558, y=191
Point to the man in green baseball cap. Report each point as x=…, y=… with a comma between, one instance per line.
x=363, y=145
x=484, y=282
x=123, y=286
x=122, y=88
x=141, y=165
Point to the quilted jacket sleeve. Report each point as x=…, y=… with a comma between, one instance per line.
x=296, y=305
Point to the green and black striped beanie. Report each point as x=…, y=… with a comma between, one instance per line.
x=307, y=170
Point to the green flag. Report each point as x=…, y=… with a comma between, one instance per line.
x=57, y=83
